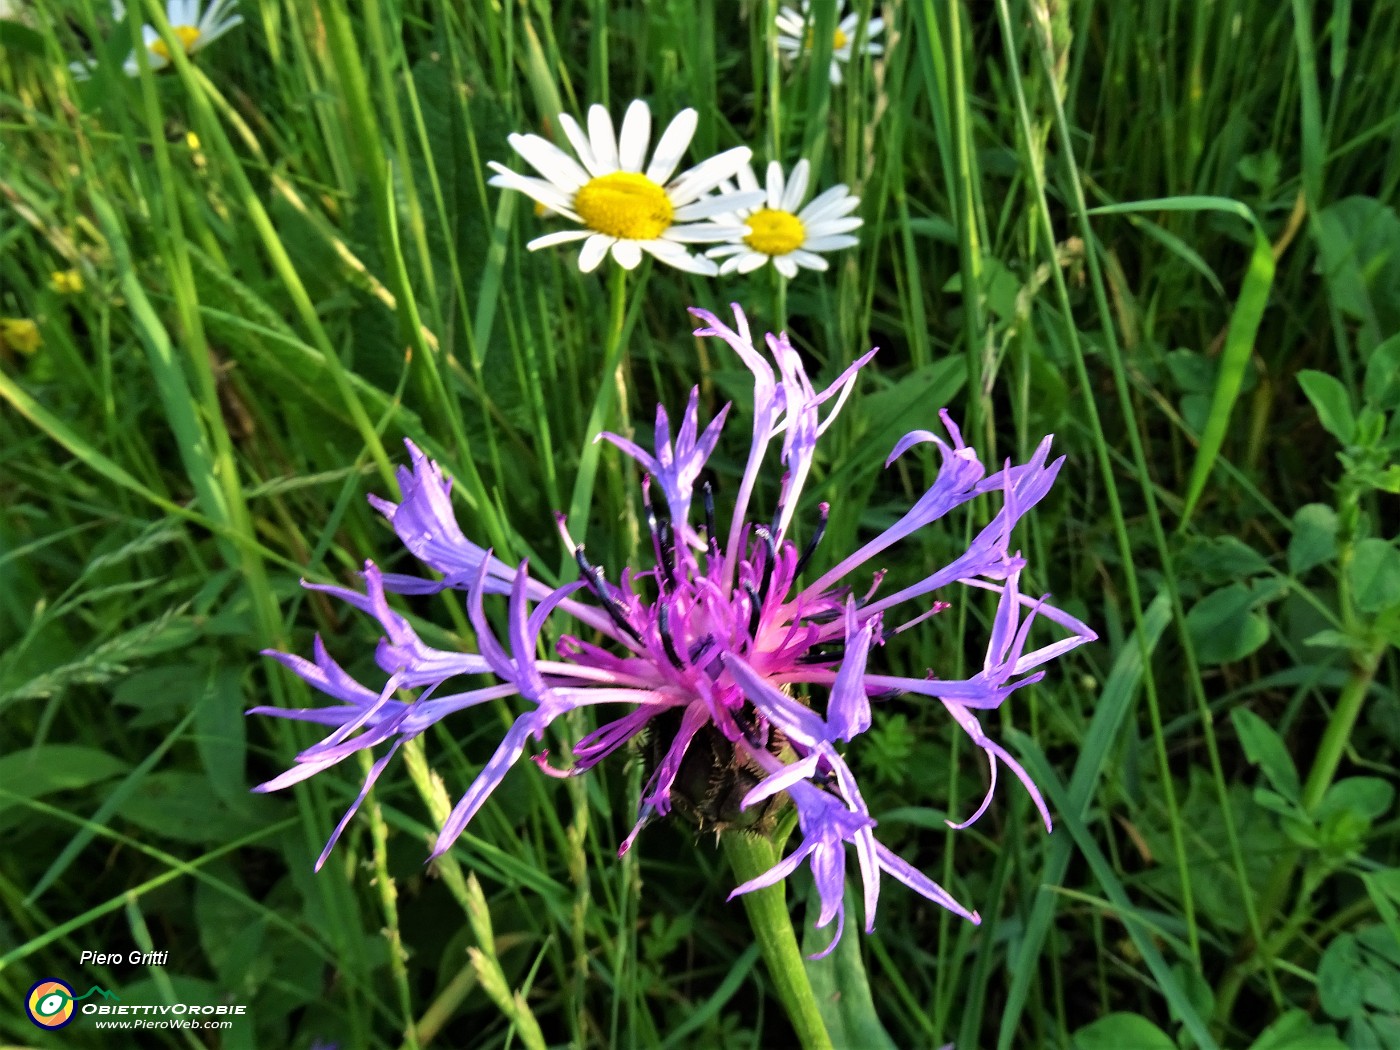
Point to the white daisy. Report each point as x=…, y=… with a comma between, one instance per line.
x=194, y=30
x=775, y=231
x=795, y=24
x=621, y=207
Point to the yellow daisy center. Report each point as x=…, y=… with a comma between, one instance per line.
x=626, y=205
x=187, y=34
x=774, y=232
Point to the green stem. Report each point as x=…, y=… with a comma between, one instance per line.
x=602, y=409
x=750, y=856
x=1324, y=770
x=779, y=301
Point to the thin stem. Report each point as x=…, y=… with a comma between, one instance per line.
x=602, y=409
x=750, y=856
x=779, y=301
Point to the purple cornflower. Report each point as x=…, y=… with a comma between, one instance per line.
x=740, y=680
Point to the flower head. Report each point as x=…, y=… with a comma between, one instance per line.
x=622, y=204
x=745, y=683
x=794, y=27
x=20, y=334
x=66, y=282
x=194, y=28
x=777, y=232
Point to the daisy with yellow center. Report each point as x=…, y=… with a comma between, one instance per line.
x=794, y=25
x=194, y=27
x=622, y=207
x=777, y=232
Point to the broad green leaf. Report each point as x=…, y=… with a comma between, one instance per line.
x=839, y=981
x=1120, y=1030
x=183, y=806
x=1374, y=574
x=1296, y=1031
x=1359, y=244
x=37, y=771
x=1224, y=626
x=1217, y=891
x=1368, y=797
x=231, y=932
x=1382, y=386
x=221, y=730
x=1314, y=539
x=1266, y=749
x=1330, y=401
x=1222, y=559
x=1339, y=977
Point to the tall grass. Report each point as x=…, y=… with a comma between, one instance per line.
x=1131, y=225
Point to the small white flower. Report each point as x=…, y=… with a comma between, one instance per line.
x=194, y=30
x=777, y=232
x=621, y=207
x=795, y=25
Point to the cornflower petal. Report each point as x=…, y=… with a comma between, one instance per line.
x=744, y=681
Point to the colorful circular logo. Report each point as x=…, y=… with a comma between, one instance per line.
x=50, y=1003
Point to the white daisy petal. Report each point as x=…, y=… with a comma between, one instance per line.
x=550, y=161
x=636, y=135
x=708, y=208
x=674, y=255
x=785, y=266
x=603, y=138
x=672, y=146
x=707, y=175
x=579, y=141
x=807, y=259
x=775, y=184
x=594, y=250
x=703, y=233
x=829, y=226
x=819, y=203
x=216, y=10
x=748, y=181
x=796, y=186
x=549, y=240
x=790, y=22
x=536, y=189
x=830, y=244
x=725, y=250
x=835, y=208
x=627, y=254
x=208, y=36
x=751, y=262
x=730, y=265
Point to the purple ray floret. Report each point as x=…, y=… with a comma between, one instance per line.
x=716, y=648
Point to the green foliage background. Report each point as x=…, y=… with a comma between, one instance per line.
x=1165, y=232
